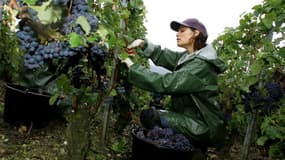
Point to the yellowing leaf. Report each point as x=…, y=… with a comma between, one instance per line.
x=103, y=32
x=82, y=21
x=48, y=13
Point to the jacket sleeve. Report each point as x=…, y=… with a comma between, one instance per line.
x=192, y=78
x=161, y=57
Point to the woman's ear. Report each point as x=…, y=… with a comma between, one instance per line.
x=196, y=33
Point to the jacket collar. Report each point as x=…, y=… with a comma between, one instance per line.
x=208, y=52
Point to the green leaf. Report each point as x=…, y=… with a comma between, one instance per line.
x=105, y=1
x=268, y=20
x=272, y=132
x=53, y=99
x=82, y=21
x=30, y=2
x=261, y=140
x=93, y=38
x=282, y=52
x=255, y=68
x=125, y=14
x=274, y=151
x=248, y=81
x=113, y=92
x=75, y=40
x=103, y=32
x=124, y=55
x=48, y=13
x=276, y=3
x=63, y=83
x=91, y=98
x=119, y=146
x=137, y=4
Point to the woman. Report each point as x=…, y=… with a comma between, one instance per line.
x=191, y=83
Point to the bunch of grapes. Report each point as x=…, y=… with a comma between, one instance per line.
x=157, y=100
x=259, y=99
x=78, y=77
x=165, y=138
x=38, y=53
x=54, y=2
x=79, y=8
x=60, y=2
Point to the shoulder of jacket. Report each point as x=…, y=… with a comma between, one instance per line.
x=208, y=52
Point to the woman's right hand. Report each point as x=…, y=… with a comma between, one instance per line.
x=136, y=43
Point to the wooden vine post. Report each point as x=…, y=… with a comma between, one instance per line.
x=108, y=100
x=250, y=130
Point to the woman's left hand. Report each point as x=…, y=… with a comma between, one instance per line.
x=128, y=62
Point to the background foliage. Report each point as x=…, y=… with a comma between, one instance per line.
x=254, y=53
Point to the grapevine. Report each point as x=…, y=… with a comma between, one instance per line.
x=249, y=92
x=69, y=49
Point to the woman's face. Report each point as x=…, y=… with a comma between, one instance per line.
x=185, y=37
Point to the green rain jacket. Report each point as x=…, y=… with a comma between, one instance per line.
x=192, y=85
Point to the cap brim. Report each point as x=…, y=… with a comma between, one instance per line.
x=175, y=25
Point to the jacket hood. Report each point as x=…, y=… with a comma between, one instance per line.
x=208, y=54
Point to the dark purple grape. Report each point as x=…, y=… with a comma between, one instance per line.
x=274, y=90
x=165, y=138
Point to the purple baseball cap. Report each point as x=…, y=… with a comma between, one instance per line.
x=190, y=22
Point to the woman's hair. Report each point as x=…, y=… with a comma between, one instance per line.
x=200, y=40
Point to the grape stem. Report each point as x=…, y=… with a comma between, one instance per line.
x=13, y=4
x=69, y=8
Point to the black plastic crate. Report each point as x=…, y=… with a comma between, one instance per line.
x=143, y=150
x=26, y=106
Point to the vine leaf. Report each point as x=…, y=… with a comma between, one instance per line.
x=103, y=32
x=272, y=132
x=107, y=36
x=48, y=13
x=123, y=55
x=247, y=82
x=106, y=1
x=75, y=40
x=53, y=99
x=282, y=52
x=261, y=140
x=268, y=20
x=82, y=21
x=255, y=68
x=125, y=13
x=31, y=2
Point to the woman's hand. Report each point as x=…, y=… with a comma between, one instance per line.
x=130, y=49
x=136, y=43
x=128, y=62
